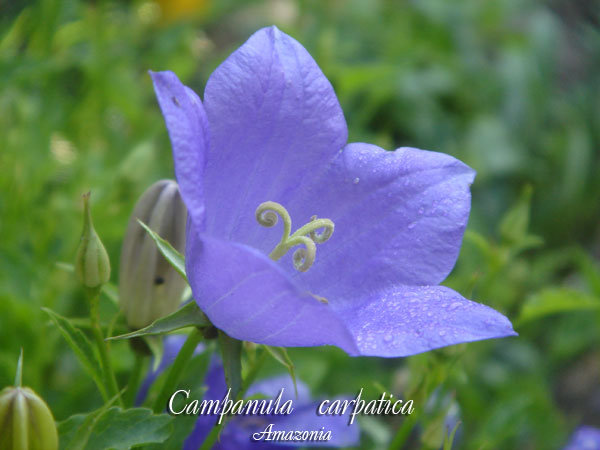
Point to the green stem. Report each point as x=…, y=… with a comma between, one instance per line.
x=248, y=380
x=181, y=360
x=109, y=375
x=212, y=436
x=252, y=373
x=404, y=431
x=134, y=380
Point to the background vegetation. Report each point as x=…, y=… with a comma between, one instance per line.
x=510, y=87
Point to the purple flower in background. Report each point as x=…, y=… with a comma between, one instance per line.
x=238, y=431
x=270, y=140
x=584, y=438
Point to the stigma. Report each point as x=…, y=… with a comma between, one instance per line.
x=317, y=231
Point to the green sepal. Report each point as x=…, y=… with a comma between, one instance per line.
x=231, y=352
x=280, y=354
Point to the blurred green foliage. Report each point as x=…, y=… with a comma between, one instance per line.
x=510, y=87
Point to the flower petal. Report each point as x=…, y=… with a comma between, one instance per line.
x=274, y=118
x=399, y=219
x=246, y=295
x=406, y=320
x=188, y=129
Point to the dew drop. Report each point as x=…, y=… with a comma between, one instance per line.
x=356, y=180
x=442, y=333
x=388, y=338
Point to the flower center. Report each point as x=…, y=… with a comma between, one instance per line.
x=308, y=235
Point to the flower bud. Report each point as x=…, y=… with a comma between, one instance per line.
x=26, y=422
x=92, y=264
x=149, y=287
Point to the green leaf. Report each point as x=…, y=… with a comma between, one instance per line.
x=173, y=256
x=187, y=316
x=80, y=345
x=589, y=270
x=557, y=300
x=75, y=431
x=114, y=428
x=514, y=225
x=281, y=355
x=182, y=428
x=231, y=351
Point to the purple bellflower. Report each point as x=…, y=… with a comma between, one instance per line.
x=269, y=142
x=584, y=438
x=239, y=430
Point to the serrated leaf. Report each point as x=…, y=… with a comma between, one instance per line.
x=80, y=345
x=231, y=352
x=173, y=256
x=280, y=354
x=182, y=428
x=556, y=300
x=75, y=431
x=186, y=316
x=114, y=428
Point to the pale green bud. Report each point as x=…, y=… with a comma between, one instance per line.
x=26, y=422
x=92, y=264
x=149, y=287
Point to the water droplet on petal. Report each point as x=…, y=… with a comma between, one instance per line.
x=388, y=338
x=356, y=180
